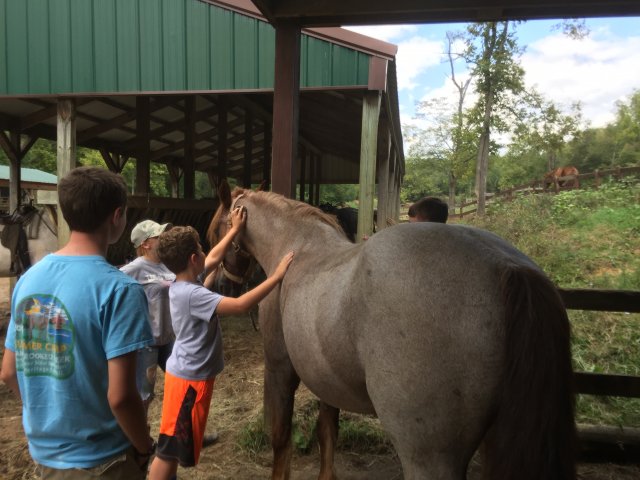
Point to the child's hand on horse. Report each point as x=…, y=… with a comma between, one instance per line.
x=238, y=218
x=282, y=267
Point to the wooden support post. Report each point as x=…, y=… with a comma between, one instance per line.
x=266, y=157
x=383, y=179
x=286, y=94
x=303, y=172
x=222, y=138
x=143, y=154
x=174, y=175
x=368, y=154
x=318, y=178
x=66, y=154
x=15, y=151
x=248, y=149
x=392, y=195
x=312, y=178
x=15, y=190
x=596, y=176
x=188, y=171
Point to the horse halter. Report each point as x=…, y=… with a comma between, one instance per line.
x=238, y=250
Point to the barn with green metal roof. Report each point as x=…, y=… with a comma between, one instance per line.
x=189, y=84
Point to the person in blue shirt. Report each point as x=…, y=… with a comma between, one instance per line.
x=70, y=353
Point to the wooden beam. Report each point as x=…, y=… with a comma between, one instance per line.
x=286, y=107
x=383, y=176
x=368, y=155
x=15, y=173
x=248, y=149
x=66, y=154
x=318, y=178
x=222, y=139
x=143, y=154
x=189, y=173
x=7, y=146
x=601, y=300
x=267, y=152
x=607, y=384
x=303, y=172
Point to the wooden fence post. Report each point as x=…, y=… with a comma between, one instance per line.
x=596, y=176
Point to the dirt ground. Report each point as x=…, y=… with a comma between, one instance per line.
x=237, y=401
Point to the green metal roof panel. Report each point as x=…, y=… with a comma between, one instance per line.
x=116, y=46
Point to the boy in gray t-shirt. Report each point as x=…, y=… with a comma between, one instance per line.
x=196, y=358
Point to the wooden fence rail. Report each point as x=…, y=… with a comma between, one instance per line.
x=538, y=186
x=610, y=301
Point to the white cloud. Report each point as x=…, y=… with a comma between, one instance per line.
x=414, y=57
x=415, y=54
x=596, y=71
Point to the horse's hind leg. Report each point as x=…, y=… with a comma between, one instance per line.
x=280, y=384
x=327, y=437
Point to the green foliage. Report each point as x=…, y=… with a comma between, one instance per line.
x=586, y=239
x=253, y=438
x=338, y=194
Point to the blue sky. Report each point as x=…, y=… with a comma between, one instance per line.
x=597, y=71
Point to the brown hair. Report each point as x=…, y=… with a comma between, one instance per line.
x=430, y=209
x=88, y=195
x=176, y=246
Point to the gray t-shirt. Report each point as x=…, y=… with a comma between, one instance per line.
x=155, y=278
x=197, y=351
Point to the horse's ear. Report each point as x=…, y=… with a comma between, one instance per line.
x=262, y=186
x=224, y=193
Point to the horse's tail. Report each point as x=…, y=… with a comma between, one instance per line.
x=534, y=435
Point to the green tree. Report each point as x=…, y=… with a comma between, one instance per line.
x=493, y=51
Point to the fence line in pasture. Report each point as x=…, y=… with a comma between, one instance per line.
x=538, y=186
x=607, y=301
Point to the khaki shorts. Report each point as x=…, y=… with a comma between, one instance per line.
x=124, y=466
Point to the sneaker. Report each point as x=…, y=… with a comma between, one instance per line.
x=209, y=439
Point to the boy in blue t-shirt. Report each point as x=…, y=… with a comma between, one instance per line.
x=70, y=353
x=196, y=358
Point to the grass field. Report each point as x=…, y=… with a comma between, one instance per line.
x=586, y=239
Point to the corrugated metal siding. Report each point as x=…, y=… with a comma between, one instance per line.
x=111, y=46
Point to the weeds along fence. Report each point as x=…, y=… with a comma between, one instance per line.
x=537, y=186
x=604, y=301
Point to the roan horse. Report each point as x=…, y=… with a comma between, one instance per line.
x=553, y=177
x=26, y=236
x=447, y=333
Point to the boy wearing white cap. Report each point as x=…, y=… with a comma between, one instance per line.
x=155, y=278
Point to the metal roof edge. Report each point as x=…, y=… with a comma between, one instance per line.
x=337, y=35
x=32, y=175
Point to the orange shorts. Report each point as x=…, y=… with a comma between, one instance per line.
x=184, y=417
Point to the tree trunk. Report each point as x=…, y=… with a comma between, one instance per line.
x=482, y=164
x=452, y=190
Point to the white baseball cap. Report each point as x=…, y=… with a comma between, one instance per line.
x=147, y=229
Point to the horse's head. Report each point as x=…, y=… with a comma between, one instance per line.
x=237, y=265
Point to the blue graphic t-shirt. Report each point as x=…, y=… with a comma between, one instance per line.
x=69, y=316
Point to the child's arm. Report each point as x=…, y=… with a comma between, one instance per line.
x=125, y=402
x=244, y=303
x=215, y=256
x=8, y=373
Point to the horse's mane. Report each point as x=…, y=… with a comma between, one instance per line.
x=278, y=202
x=224, y=196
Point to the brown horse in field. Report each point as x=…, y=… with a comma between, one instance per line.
x=450, y=335
x=554, y=177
